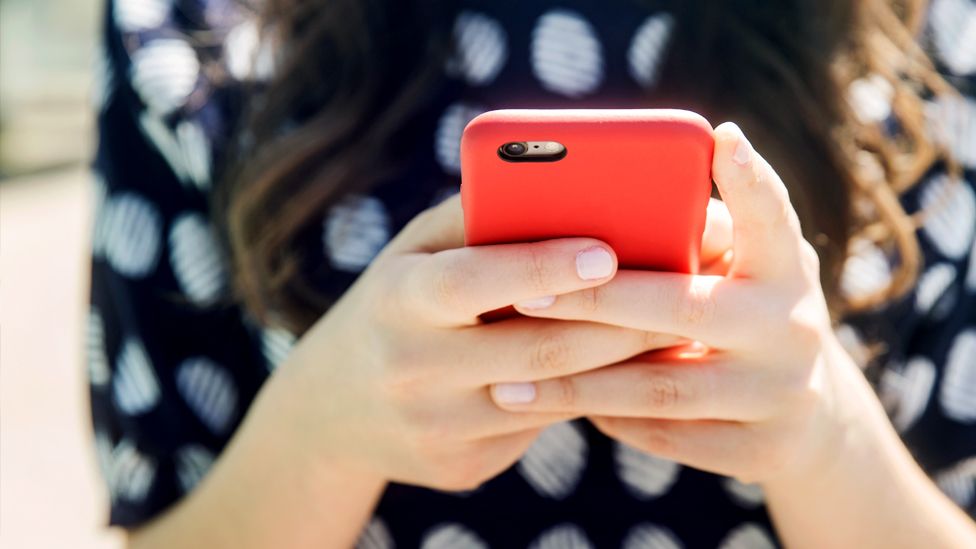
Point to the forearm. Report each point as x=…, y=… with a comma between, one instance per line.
x=263, y=492
x=872, y=494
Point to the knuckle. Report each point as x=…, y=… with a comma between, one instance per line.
x=803, y=329
x=695, y=307
x=448, y=285
x=550, y=353
x=435, y=432
x=590, y=299
x=810, y=257
x=404, y=383
x=538, y=270
x=660, y=391
x=564, y=393
x=658, y=440
x=432, y=434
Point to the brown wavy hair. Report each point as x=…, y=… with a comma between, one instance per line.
x=328, y=122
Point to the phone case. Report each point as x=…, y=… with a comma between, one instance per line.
x=638, y=179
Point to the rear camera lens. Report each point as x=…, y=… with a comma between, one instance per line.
x=514, y=149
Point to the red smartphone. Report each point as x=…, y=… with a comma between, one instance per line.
x=638, y=179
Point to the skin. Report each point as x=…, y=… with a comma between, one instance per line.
x=773, y=400
x=400, y=381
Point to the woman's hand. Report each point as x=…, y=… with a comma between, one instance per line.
x=394, y=379
x=761, y=398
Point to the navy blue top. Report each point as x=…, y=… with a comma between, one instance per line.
x=173, y=368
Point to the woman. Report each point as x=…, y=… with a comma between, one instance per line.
x=267, y=177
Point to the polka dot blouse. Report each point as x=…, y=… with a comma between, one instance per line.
x=173, y=369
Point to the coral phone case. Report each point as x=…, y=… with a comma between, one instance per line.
x=638, y=179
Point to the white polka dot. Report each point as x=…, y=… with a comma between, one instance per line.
x=852, y=342
x=566, y=56
x=959, y=482
x=186, y=149
x=650, y=536
x=932, y=286
x=195, y=147
x=747, y=536
x=953, y=24
x=952, y=120
x=249, y=55
x=645, y=476
x=98, y=365
x=647, y=48
x=747, y=495
x=866, y=270
x=447, y=139
x=196, y=259
x=481, y=48
x=554, y=464
x=950, y=220
x=562, y=536
x=164, y=73
x=905, y=391
x=276, y=345
x=131, y=235
x=375, y=536
x=958, y=390
x=356, y=229
x=192, y=464
x=103, y=78
x=871, y=97
x=134, y=385
x=136, y=15
x=209, y=391
x=451, y=536
x=132, y=473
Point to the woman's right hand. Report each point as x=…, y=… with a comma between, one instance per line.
x=394, y=380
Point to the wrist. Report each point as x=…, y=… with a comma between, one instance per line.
x=849, y=423
x=282, y=417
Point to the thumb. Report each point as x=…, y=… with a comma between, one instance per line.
x=437, y=228
x=717, y=237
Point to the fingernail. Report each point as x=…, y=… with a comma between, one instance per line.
x=593, y=263
x=743, y=151
x=514, y=393
x=537, y=303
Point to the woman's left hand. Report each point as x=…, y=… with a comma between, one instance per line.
x=769, y=392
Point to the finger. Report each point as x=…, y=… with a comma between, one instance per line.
x=717, y=237
x=471, y=415
x=437, y=228
x=485, y=457
x=766, y=229
x=706, y=308
x=723, y=447
x=703, y=388
x=453, y=287
x=531, y=349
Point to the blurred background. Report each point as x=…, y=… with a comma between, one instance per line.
x=51, y=494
